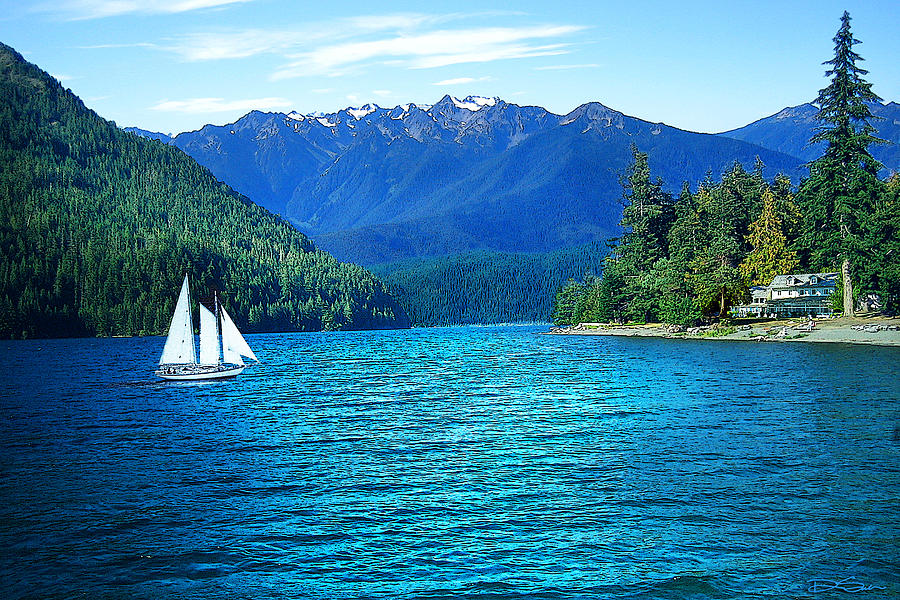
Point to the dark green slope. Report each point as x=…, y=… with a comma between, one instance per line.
x=98, y=226
x=487, y=287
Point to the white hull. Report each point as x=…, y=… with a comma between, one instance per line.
x=196, y=372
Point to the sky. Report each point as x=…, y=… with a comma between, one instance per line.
x=175, y=65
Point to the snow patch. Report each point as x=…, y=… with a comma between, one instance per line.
x=474, y=103
x=362, y=111
x=403, y=109
x=324, y=121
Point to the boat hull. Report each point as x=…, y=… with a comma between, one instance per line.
x=198, y=372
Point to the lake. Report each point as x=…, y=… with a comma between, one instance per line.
x=468, y=462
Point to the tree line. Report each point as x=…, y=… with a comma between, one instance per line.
x=484, y=286
x=690, y=258
x=99, y=226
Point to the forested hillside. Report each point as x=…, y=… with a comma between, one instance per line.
x=486, y=287
x=98, y=227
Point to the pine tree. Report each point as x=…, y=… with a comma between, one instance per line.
x=881, y=273
x=646, y=219
x=565, y=303
x=714, y=276
x=843, y=185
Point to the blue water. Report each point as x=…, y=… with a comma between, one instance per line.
x=478, y=462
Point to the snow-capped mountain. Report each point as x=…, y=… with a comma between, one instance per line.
x=372, y=183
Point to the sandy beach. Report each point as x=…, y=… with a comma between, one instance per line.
x=866, y=329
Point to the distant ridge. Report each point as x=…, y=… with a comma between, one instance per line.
x=790, y=129
x=151, y=135
x=374, y=184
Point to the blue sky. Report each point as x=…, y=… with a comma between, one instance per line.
x=175, y=65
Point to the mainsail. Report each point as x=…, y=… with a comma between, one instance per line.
x=234, y=346
x=179, y=348
x=209, y=337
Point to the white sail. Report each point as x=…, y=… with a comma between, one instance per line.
x=234, y=346
x=179, y=348
x=209, y=337
x=230, y=356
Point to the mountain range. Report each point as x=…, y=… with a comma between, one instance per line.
x=374, y=185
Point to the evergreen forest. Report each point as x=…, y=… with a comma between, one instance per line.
x=689, y=258
x=486, y=287
x=99, y=226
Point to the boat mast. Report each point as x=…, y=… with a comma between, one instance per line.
x=219, y=347
x=194, y=358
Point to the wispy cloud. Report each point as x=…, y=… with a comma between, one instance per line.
x=98, y=9
x=346, y=45
x=566, y=67
x=220, y=105
x=403, y=40
x=129, y=45
x=225, y=44
x=430, y=49
x=461, y=80
x=237, y=44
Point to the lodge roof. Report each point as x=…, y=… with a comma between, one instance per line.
x=804, y=280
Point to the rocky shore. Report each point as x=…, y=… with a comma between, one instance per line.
x=867, y=329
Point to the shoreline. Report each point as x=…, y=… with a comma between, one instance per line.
x=862, y=330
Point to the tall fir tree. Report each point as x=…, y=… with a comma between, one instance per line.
x=843, y=186
x=646, y=218
x=714, y=276
x=565, y=305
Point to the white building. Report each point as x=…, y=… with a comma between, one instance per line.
x=807, y=294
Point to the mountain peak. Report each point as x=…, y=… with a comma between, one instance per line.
x=474, y=103
x=470, y=103
x=802, y=111
x=362, y=111
x=594, y=111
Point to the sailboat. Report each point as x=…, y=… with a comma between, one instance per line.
x=222, y=347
